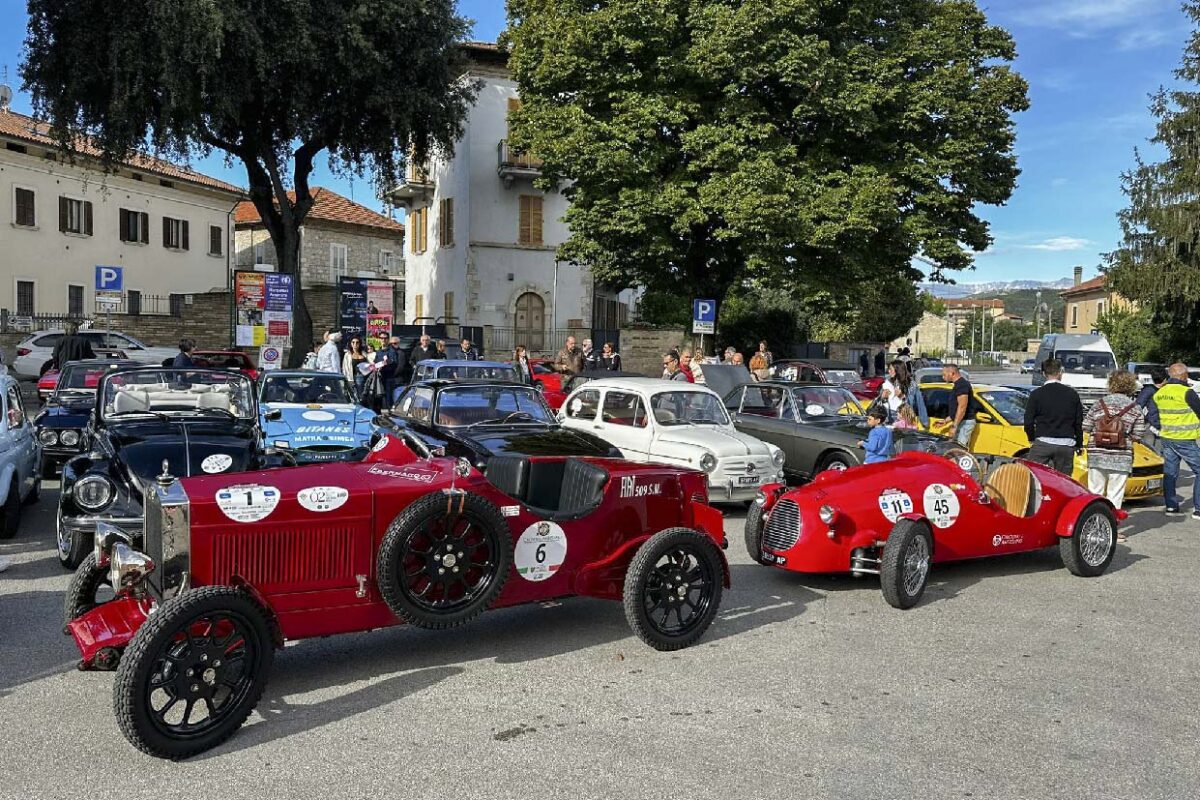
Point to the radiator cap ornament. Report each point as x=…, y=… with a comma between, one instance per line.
x=166, y=478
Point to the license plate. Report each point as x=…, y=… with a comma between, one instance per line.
x=749, y=480
x=1154, y=484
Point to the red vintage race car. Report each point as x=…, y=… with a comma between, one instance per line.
x=895, y=518
x=229, y=569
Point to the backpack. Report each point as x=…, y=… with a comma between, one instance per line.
x=1110, y=428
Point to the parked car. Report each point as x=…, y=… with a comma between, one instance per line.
x=817, y=426
x=36, y=349
x=894, y=519
x=19, y=454
x=1000, y=431
x=62, y=424
x=1028, y=366
x=227, y=572
x=1087, y=361
x=232, y=360
x=545, y=374
x=569, y=383
x=478, y=420
x=314, y=416
x=821, y=370
x=193, y=421
x=49, y=380
x=650, y=419
x=456, y=370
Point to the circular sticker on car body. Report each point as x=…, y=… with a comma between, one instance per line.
x=217, y=462
x=319, y=416
x=941, y=505
x=540, y=551
x=894, y=503
x=383, y=442
x=323, y=498
x=249, y=503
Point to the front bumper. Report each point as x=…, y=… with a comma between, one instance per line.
x=103, y=632
x=313, y=456
x=737, y=488
x=87, y=525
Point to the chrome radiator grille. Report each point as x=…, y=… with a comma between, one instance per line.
x=783, y=527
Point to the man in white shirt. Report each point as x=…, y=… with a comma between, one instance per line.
x=328, y=358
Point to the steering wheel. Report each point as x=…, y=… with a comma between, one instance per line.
x=327, y=397
x=518, y=415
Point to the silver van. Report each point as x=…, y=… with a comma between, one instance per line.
x=1087, y=361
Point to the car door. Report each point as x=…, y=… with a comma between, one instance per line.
x=21, y=441
x=624, y=423
x=765, y=412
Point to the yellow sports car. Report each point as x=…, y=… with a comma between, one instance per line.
x=1001, y=432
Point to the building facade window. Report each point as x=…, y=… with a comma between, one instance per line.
x=418, y=308
x=260, y=253
x=448, y=307
x=24, y=207
x=1099, y=309
x=216, y=240
x=25, y=298
x=133, y=302
x=74, y=216
x=1074, y=315
x=419, y=229
x=446, y=222
x=339, y=259
x=529, y=228
x=135, y=226
x=175, y=233
x=74, y=300
x=387, y=260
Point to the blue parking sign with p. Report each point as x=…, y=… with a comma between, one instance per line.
x=704, y=316
x=108, y=279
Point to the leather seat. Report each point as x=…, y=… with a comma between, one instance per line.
x=562, y=490
x=509, y=474
x=1013, y=487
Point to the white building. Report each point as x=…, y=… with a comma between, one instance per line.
x=167, y=226
x=482, y=239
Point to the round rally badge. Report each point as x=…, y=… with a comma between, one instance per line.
x=540, y=551
x=382, y=443
x=941, y=505
x=893, y=503
x=323, y=498
x=217, y=462
x=814, y=410
x=319, y=416
x=249, y=503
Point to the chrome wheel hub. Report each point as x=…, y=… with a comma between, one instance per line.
x=916, y=565
x=1096, y=540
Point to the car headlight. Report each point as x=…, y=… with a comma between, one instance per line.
x=69, y=438
x=828, y=514
x=48, y=438
x=106, y=536
x=282, y=444
x=708, y=462
x=760, y=499
x=127, y=566
x=94, y=493
x=777, y=457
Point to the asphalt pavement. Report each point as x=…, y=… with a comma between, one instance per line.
x=1011, y=679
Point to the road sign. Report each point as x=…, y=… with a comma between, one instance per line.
x=109, y=279
x=269, y=357
x=704, y=316
x=108, y=299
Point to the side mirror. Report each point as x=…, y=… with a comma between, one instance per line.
x=984, y=417
x=273, y=415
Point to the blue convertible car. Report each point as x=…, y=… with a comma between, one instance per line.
x=313, y=415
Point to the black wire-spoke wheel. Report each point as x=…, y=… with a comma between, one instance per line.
x=673, y=588
x=1090, y=548
x=193, y=672
x=904, y=568
x=89, y=587
x=444, y=560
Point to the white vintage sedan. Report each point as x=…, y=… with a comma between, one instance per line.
x=675, y=423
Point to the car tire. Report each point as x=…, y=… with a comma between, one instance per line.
x=10, y=514
x=1090, y=548
x=420, y=586
x=692, y=560
x=73, y=547
x=837, y=460
x=904, y=568
x=206, y=631
x=754, y=533
x=82, y=590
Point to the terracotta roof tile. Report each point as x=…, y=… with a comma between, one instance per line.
x=27, y=129
x=1087, y=286
x=329, y=206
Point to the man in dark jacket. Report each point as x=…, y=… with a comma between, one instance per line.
x=392, y=371
x=424, y=350
x=71, y=347
x=880, y=363
x=1054, y=421
x=467, y=351
x=1145, y=399
x=183, y=359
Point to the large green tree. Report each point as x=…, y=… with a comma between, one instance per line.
x=1158, y=263
x=273, y=85
x=807, y=144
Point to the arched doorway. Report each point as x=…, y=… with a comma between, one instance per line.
x=529, y=322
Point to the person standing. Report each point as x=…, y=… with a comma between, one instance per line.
x=671, y=370
x=880, y=363
x=685, y=365
x=759, y=366
x=1054, y=421
x=863, y=364
x=1158, y=379
x=521, y=364
x=440, y=349
x=570, y=358
x=183, y=359
x=765, y=352
x=879, y=441
x=71, y=347
x=467, y=351
x=328, y=357
x=354, y=357
x=424, y=350
x=1179, y=418
x=394, y=363
x=1115, y=422
x=729, y=351
x=610, y=359
x=591, y=359
x=963, y=405
x=900, y=390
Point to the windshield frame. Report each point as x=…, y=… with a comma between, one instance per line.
x=351, y=394
x=526, y=391
x=799, y=407
x=218, y=377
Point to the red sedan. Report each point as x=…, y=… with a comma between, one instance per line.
x=232, y=360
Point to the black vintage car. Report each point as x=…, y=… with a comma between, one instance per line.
x=62, y=424
x=482, y=419
x=192, y=421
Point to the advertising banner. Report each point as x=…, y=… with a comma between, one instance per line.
x=379, y=329
x=262, y=309
x=365, y=308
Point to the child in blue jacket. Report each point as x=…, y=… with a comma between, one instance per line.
x=879, y=441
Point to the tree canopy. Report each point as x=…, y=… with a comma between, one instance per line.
x=810, y=144
x=271, y=84
x=1158, y=262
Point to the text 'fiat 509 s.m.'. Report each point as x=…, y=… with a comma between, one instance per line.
x=314, y=415
x=198, y=421
x=228, y=573
x=895, y=518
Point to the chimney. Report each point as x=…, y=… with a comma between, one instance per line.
x=1078, y=275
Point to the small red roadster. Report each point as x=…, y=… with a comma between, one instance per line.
x=896, y=518
x=231, y=567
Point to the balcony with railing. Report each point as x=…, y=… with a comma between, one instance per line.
x=417, y=183
x=511, y=165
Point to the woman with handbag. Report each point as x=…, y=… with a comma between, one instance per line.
x=1113, y=423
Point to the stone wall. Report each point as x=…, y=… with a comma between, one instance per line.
x=363, y=249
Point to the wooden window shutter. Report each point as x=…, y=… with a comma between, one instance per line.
x=144, y=227
x=166, y=231
x=123, y=224
x=87, y=217
x=63, y=213
x=424, y=229
x=183, y=233
x=523, y=224
x=535, y=220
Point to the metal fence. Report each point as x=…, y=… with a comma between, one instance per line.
x=131, y=303
x=537, y=343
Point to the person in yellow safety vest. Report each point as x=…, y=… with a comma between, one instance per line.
x=1179, y=425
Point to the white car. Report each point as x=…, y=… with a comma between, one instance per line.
x=36, y=349
x=672, y=422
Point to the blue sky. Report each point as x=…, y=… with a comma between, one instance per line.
x=1091, y=65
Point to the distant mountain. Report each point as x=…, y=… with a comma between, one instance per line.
x=960, y=290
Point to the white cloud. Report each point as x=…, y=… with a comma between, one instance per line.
x=1146, y=38
x=1087, y=15
x=1059, y=244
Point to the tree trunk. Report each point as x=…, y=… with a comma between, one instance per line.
x=288, y=253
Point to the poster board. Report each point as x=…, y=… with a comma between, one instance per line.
x=366, y=308
x=262, y=309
